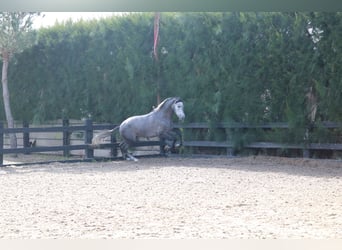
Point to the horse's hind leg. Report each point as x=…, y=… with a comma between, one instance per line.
x=125, y=154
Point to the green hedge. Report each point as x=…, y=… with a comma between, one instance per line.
x=238, y=67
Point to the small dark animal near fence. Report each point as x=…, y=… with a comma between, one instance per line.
x=88, y=128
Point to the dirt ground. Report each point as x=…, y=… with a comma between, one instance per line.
x=173, y=198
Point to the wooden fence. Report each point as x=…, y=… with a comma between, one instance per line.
x=306, y=147
x=88, y=129
x=66, y=130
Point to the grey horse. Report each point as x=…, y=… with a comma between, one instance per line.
x=156, y=123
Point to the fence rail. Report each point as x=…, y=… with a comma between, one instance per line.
x=306, y=147
x=88, y=129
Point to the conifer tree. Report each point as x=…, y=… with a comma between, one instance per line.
x=14, y=38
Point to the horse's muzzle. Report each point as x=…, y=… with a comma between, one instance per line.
x=181, y=117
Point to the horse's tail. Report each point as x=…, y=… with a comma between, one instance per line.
x=98, y=138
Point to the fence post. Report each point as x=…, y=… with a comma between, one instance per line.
x=162, y=144
x=306, y=152
x=1, y=144
x=229, y=150
x=114, y=149
x=66, y=137
x=26, y=136
x=89, y=152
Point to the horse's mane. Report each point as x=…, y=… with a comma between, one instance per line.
x=162, y=104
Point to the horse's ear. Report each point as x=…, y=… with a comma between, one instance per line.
x=178, y=99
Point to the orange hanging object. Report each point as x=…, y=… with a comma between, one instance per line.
x=156, y=35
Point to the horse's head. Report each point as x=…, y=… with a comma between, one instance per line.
x=178, y=108
x=172, y=103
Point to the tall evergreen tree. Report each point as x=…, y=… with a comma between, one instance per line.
x=14, y=38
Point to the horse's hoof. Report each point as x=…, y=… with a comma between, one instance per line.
x=131, y=158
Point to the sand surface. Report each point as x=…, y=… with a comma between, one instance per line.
x=173, y=198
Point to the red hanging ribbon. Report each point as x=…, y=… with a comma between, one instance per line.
x=156, y=35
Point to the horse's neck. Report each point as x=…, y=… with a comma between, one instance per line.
x=164, y=114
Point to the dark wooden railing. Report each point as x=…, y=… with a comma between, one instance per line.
x=306, y=146
x=88, y=129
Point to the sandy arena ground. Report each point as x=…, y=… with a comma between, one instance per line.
x=177, y=198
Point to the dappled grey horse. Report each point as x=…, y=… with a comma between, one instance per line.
x=156, y=123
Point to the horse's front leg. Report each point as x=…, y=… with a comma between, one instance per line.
x=170, y=138
x=177, y=133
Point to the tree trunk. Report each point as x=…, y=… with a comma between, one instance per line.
x=5, y=92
